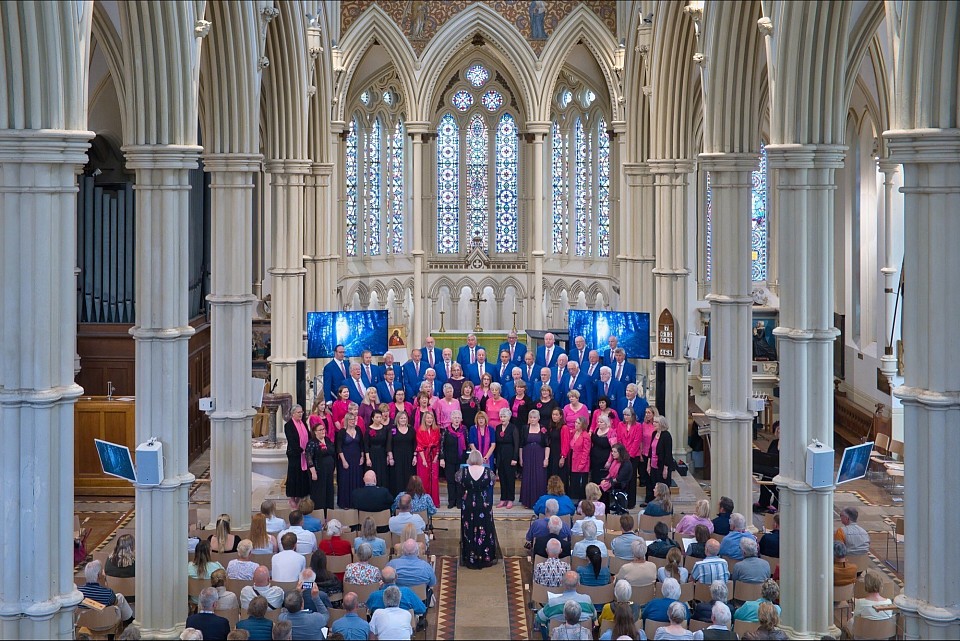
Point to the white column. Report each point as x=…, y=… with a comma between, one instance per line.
x=287, y=317
x=38, y=322
x=931, y=389
x=327, y=239
x=231, y=311
x=418, y=132
x=806, y=334
x=731, y=423
x=537, y=132
x=892, y=256
x=162, y=334
x=641, y=253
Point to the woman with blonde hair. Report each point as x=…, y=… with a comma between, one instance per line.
x=701, y=516
x=263, y=542
x=593, y=493
x=660, y=463
x=225, y=600
x=368, y=535
x=122, y=562
x=674, y=568
x=222, y=540
x=661, y=504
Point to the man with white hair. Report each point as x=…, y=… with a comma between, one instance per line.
x=656, y=610
x=391, y=621
x=623, y=371
x=242, y=568
x=545, y=380
x=408, y=599
x=720, y=622
x=261, y=587
x=431, y=383
x=850, y=534
x=431, y=353
x=608, y=387
x=479, y=367
x=752, y=569
x=96, y=589
x=591, y=367
x=467, y=354
x=703, y=610
x=517, y=350
x=554, y=608
x=548, y=353
x=550, y=573
x=212, y=626
x=540, y=528
x=581, y=352
x=413, y=372
x=555, y=527
x=509, y=384
x=358, y=391
x=530, y=369
x=631, y=399
x=412, y=570
x=573, y=380
x=738, y=531
x=590, y=534
x=639, y=571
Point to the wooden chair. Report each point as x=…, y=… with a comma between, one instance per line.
x=236, y=585
x=273, y=615
x=743, y=591
x=862, y=561
x=538, y=594
x=576, y=562
x=380, y=561
x=616, y=563
x=647, y=523
x=695, y=625
x=223, y=557
x=556, y=623
x=232, y=615
x=880, y=454
x=335, y=613
x=717, y=537
x=348, y=518
x=657, y=561
x=731, y=562
x=742, y=627
x=381, y=519
x=870, y=629
x=537, y=560
x=650, y=627
x=768, y=522
x=774, y=561
x=363, y=591
x=125, y=586
x=286, y=586
x=897, y=532
x=420, y=590
x=195, y=586
x=598, y=594
x=643, y=594
x=605, y=625
x=338, y=564
x=101, y=623
x=843, y=601
x=689, y=562
x=263, y=559
x=348, y=535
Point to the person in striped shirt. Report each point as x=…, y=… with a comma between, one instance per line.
x=712, y=568
x=96, y=589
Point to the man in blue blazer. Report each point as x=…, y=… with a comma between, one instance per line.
x=575, y=380
x=624, y=372
x=388, y=386
x=559, y=370
x=548, y=352
x=370, y=372
x=477, y=370
x=517, y=349
x=413, y=372
x=467, y=354
x=608, y=352
x=334, y=373
x=546, y=379
x=531, y=371
x=608, y=387
x=397, y=368
x=355, y=384
x=504, y=367
x=592, y=367
x=431, y=354
x=580, y=351
x=631, y=398
x=509, y=384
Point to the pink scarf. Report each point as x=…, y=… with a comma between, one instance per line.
x=304, y=437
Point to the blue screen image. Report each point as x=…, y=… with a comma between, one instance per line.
x=356, y=331
x=632, y=330
x=854, y=464
x=115, y=460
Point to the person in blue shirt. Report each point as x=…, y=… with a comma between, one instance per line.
x=595, y=573
x=412, y=570
x=310, y=522
x=257, y=625
x=350, y=625
x=730, y=546
x=408, y=598
x=555, y=490
x=721, y=524
x=656, y=610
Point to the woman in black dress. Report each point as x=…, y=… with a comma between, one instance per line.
x=453, y=447
x=521, y=404
x=554, y=439
x=298, y=479
x=660, y=464
x=375, y=445
x=401, y=448
x=600, y=445
x=508, y=448
x=545, y=404
x=469, y=406
x=320, y=461
x=350, y=459
x=478, y=536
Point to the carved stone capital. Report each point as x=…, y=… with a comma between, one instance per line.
x=201, y=28
x=262, y=63
x=765, y=25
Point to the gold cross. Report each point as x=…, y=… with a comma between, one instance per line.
x=476, y=299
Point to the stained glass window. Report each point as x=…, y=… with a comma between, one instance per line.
x=507, y=153
x=462, y=100
x=388, y=97
x=603, y=189
x=565, y=99
x=477, y=197
x=396, y=189
x=365, y=97
x=582, y=200
x=560, y=190
x=492, y=100
x=477, y=75
x=588, y=98
x=448, y=186
x=372, y=204
x=351, y=188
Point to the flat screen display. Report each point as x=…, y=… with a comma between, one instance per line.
x=632, y=330
x=116, y=460
x=356, y=331
x=854, y=463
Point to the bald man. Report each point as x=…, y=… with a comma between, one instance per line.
x=548, y=352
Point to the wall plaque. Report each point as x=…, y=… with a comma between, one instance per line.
x=666, y=333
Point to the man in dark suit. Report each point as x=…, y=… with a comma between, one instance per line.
x=516, y=349
x=580, y=351
x=631, y=398
x=211, y=625
x=334, y=373
x=608, y=387
x=608, y=352
x=467, y=354
x=370, y=373
x=445, y=366
x=592, y=367
x=388, y=363
x=355, y=384
x=574, y=380
x=371, y=497
x=624, y=372
x=546, y=378
x=548, y=352
x=413, y=372
x=388, y=386
x=531, y=371
x=431, y=354
x=559, y=370
x=475, y=371
x=504, y=367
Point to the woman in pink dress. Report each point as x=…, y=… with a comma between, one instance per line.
x=321, y=414
x=604, y=409
x=482, y=391
x=400, y=404
x=577, y=452
x=446, y=406
x=421, y=405
x=340, y=407
x=646, y=437
x=575, y=409
x=428, y=455
x=495, y=403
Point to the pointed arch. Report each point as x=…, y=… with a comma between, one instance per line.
x=592, y=292
x=862, y=36
x=674, y=81
x=510, y=281
x=285, y=81
x=108, y=41
x=440, y=283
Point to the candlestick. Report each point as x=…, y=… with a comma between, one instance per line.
x=514, y=321
x=442, y=328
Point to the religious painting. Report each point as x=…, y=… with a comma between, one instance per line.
x=538, y=12
x=397, y=336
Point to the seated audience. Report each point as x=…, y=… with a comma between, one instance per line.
x=310, y=522
x=306, y=541
x=408, y=598
x=540, y=527
x=222, y=540
x=334, y=545
x=261, y=587
x=225, y=600
x=190, y=634
x=122, y=562
x=554, y=608
x=663, y=544
x=770, y=542
x=305, y=625
x=202, y=567
x=588, y=509
x=238, y=635
x=210, y=625
x=409, y=532
x=698, y=549
x=257, y=624
x=674, y=568
x=412, y=570
x=712, y=568
x=282, y=631
x=639, y=571
x=852, y=535
x=843, y=573
x=263, y=542
x=420, y=499
x=590, y=534
x=738, y=531
x=624, y=625
x=362, y=572
x=751, y=569
x=622, y=546
x=275, y=524
x=555, y=490
x=571, y=628
x=701, y=516
x=391, y=621
x=405, y=515
x=96, y=589
x=371, y=497
x=703, y=610
x=657, y=609
x=769, y=593
x=677, y=614
x=242, y=568
x=595, y=573
x=866, y=607
x=554, y=532
x=622, y=593
x=352, y=626
x=327, y=581
x=721, y=524
x=720, y=624
x=593, y=493
x=368, y=535
x=661, y=504
x=288, y=563
x=769, y=617
x=550, y=573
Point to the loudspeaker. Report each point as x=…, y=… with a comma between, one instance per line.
x=256, y=391
x=695, y=346
x=302, y=385
x=150, y=463
x=661, y=401
x=819, y=465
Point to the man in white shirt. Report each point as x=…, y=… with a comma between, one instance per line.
x=261, y=587
x=404, y=516
x=306, y=540
x=288, y=563
x=391, y=622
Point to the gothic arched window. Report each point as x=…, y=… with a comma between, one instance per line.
x=580, y=167
x=477, y=164
x=374, y=174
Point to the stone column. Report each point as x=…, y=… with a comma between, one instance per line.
x=731, y=423
x=38, y=322
x=537, y=133
x=892, y=256
x=231, y=311
x=638, y=249
x=287, y=179
x=418, y=132
x=629, y=252
x=671, y=182
x=931, y=388
x=328, y=239
x=162, y=334
x=805, y=185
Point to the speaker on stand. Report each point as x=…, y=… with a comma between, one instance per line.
x=661, y=400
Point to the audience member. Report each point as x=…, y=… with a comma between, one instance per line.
x=130, y=633
x=257, y=623
x=334, y=545
x=661, y=504
x=770, y=542
x=593, y=493
x=352, y=626
x=275, y=524
x=405, y=515
x=412, y=570
x=720, y=624
x=188, y=634
x=657, y=609
x=852, y=535
x=622, y=546
x=697, y=549
x=588, y=509
x=391, y=621
x=225, y=600
x=843, y=573
x=371, y=497
x=210, y=625
x=769, y=619
x=751, y=569
x=571, y=628
x=712, y=568
x=550, y=573
x=590, y=534
x=261, y=587
x=554, y=608
x=242, y=568
x=624, y=625
x=282, y=631
x=408, y=598
x=310, y=522
x=96, y=589
x=663, y=544
x=595, y=573
x=701, y=516
x=362, y=572
x=540, y=527
x=639, y=571
x=866, y=607
x=222, y=540
x=306, y=541
x=122, y=562
x=288, y=563
x=238, y=635
x=703, y=610
x=674, y=567
x=769, y=593
x=678, y=615
x=305, y=625
x=202, y=567
x=556, y=491
x=263, y=542
x=622, y=595
x=721, y=524
x=368, y=535
x=738, y=531
x=409, y=532
x=420, y=499
x=555, y=526
x=326, y=581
